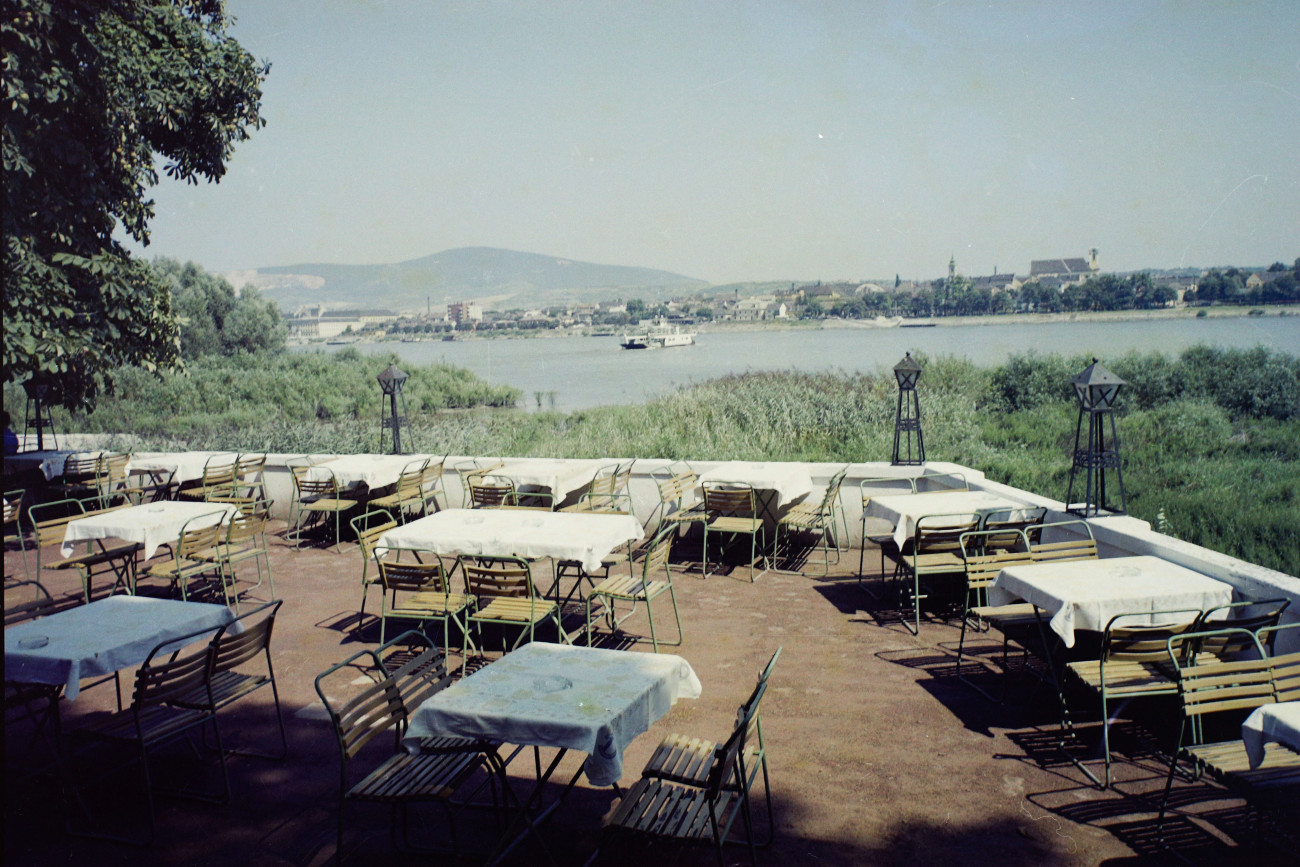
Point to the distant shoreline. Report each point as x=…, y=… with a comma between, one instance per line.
x=1225, y=312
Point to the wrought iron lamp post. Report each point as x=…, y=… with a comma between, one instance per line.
x=909, y=443
x=392, y=411
x=1096, y=388
x=38, y=412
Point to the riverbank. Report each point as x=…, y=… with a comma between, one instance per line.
x=769, y=325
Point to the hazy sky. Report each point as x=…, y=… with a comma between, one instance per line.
x=772, y=139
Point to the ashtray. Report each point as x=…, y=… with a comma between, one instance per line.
x=551, y=683
x=33, y=642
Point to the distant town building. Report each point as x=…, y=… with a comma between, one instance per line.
x=1067, y=270
x=315, y=321
x=464, y=313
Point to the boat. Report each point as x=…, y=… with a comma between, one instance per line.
x=659, y=336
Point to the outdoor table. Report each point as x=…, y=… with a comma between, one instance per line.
x=373, y=471
x=560, y=477
x=588, y=699
x=1272, y=723
x=905, y=510
x=1086, y=594
x=150, y=524
x=49, y=462
x=582, y=537
x=178, y=466
x=101, y=638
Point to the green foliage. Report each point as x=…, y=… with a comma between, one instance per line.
x=213, y=319
x=93, y=92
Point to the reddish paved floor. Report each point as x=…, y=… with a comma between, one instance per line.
x=877, y=753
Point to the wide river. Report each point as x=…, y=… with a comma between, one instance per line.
x=572, y=373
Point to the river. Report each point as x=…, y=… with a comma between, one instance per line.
x=573, y=373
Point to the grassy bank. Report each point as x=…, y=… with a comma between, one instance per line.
x=1210, y=438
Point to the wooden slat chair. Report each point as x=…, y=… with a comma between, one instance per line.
x=1132, y=664
x=218, y=479
x=408, y=493
x=13, y=524
x=432, y=486
x=402, y=778
x=695, y=794
x=236, y=672
x=683, y=759
x=733, y=511
x=817, y=518
x=192, y=557
x=607, y=492
x=247, y=486
x=153, y=720
x=634, y=591
x=317, y=499
x=505, y=595
x=1250, y=615
x=678, y=504
x=879, y=531
x=81, y=479
x=1207, y=686
x=474, y=467
x=244, y=539
x=421, y=590
x=115, y=480
x=368, y=527
x=983, y=563
x=49, y=522
x=491, y=492
x=931, y=556
x=1061, y=541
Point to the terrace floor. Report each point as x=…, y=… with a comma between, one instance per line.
x=878, y=754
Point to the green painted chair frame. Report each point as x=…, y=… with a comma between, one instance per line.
x=639, y=591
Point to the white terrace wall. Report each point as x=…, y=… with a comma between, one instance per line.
x=1116, y=536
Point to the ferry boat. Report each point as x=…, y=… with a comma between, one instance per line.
x=658, y=336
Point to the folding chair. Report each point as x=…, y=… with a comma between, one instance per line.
x=368, y=527
x=733, y=511
x=819, y=518
x=319, y=498
x=244, y=539
x=932, y=554
x=983, y=563
x=218, y=479
x=407, y=493
x=645, y=590
x=677, y=502
x=49, y=523
x=420, y=590
x=879, y=531
x=506, y=596
x=192, y=557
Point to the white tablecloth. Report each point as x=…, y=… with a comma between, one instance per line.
x=904, y=510
x=49, y=462
x=151, y=524
x=584, y=537
x=100, y=638
x=183, y=466
x=560, y=477
x=374, y=471
x=1272, y=723
x=550, y=695
x=789, y=482
x=1086, y=594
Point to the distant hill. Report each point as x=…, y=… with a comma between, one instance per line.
x=501, y=278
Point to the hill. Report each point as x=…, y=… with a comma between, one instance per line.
x=503, y=278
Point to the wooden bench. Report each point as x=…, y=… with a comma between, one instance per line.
x=98, y=558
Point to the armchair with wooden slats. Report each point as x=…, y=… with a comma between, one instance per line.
x=1061, y=541
x=218, y=479
x=243, y=539
x=678, y=505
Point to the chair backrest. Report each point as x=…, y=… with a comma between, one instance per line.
x=747, y=714
x=501, y=576
x=941, y=482
x=412, y=576
x=410, y=483
x=374, y=710
x=231, y=649
x=219, y=471
x=418, y=668
x=19, y=609
x=324, y=486
x=246, y=527
x=475, y=467
x=196, y=538
x=431, y=479
x=369, y=527
x=1286, y=666
x=81, y=470
x=983, y=562
x=885, y=486
x=487, y=491
x=831, y=499
x=936, y=533
x=170, y=674
x=13, y=507
x=249, y=471
x=729, y=499
x=1248, y=615
x=1209, y=685
x=727, y=767
x=50, y=520
x=656, y=557
x=1011, y=523
x=1125, y=640
x=113, y=475
x=1061, y=541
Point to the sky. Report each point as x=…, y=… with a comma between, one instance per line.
x=750, y=140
